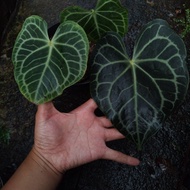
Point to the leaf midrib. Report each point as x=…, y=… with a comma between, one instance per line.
x=44, y=70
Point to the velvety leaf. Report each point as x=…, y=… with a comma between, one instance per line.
x=108, y=15
x=43, y=68
x=138, y=94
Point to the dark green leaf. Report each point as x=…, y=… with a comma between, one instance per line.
x=108, y=15
x=138, y=94
x=43, y=68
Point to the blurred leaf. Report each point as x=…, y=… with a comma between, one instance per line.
x=109, y=15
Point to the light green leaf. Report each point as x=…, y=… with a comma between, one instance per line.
x=108, y=15
x=43, y=68
x=138, y=94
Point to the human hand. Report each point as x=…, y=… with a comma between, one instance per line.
x=67, y=140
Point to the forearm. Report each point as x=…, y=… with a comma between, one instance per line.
x=34, y=173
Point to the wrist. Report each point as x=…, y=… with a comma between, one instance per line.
x=34, y=173
x=44, y=165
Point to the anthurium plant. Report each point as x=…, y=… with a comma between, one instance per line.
x=108, y=15
x=137, y=94
x=44, y=67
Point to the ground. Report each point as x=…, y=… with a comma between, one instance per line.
x=165, y=159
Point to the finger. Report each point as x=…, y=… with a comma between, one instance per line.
x=45, y=111
x=89, y=105
x=113, y=134
x=45, y=106
x=120, y=157
x=105, y=122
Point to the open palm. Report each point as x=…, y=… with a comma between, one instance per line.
x=67, y=140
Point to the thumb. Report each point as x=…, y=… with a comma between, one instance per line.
x=45, y=111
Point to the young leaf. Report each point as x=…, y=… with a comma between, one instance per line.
x=43, y=68
x=138, y=94
x=109, y=15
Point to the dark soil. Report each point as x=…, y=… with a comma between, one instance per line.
x=165, y=158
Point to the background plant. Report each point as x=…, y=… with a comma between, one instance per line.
x=4, y=133
x=184, y=22
x=108, y=15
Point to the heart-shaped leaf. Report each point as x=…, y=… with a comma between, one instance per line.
x=108, y=15
x=138, y=94
x=43, y=68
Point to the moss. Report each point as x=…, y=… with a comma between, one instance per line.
x=184, y=23
x=4, y=133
